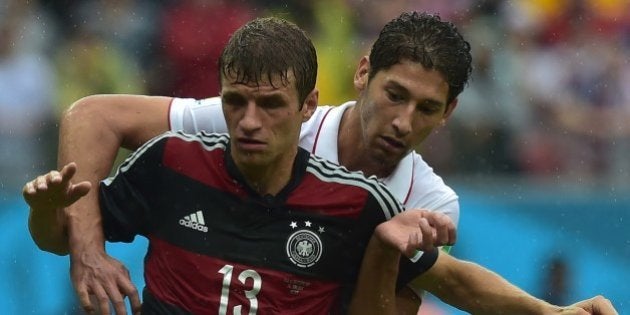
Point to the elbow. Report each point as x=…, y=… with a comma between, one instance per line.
x=84, y=108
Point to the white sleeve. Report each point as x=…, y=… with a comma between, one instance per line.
x=191, y=115
x=430, y=192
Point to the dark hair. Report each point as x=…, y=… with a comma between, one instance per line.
x=266, y=47
x=424, y=38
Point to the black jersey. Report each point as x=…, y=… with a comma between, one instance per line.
x=216, y=246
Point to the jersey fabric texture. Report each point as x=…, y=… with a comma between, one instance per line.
x=413, y=182
x=218, y=247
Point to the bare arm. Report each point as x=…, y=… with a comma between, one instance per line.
x=378, y=273
x=477, y=290
x=91, y=132
x=403, y=234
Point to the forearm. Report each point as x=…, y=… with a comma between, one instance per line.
x=91, y=132
x=86, y=139
x=375, y=289
x=477, y=290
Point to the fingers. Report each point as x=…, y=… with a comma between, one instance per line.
x=598, y=305
x=444, y=228
x=437, y=221
x=117, y=300
x=99, y=301
x=102, y=299
x=68, y=171
x=79, y=190
x=96, y=303
x=84, y=300
x=414, y=242
x=603, y=306
x=35, y=191
x=427, y=233
x=124, y=287
x=130, y=291
x=100, y=280
x=41, y=183
x=28, y=189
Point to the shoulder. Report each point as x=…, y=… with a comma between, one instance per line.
x=426, y=179
x=177, y=102
x=329, y=172
x=318, y=116
x=207, y=141
x=429, y=191
x=202, y=139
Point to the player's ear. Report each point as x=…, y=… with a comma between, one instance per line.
x=361, y=75
x=310, y=104
x=450, y=108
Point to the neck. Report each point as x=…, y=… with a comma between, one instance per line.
x=352, y=147
x=270, y=179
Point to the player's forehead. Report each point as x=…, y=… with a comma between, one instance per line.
x=416, y=80
x=272, y=86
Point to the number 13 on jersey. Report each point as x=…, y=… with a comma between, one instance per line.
x=250, y=294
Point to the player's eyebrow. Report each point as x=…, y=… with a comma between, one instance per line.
x=274, y=98
x=233, y=97
x=405, y=91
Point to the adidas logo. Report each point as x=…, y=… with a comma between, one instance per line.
x=194, y=221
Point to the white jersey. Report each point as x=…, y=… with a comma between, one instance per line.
x=413, y=182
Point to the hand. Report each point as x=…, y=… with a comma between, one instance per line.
x=416, y=230
x=54, y=190
x=96, y=274
x=598, y=305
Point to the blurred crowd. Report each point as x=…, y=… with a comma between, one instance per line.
x=549, y=96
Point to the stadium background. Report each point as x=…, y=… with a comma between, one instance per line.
x=537, y=148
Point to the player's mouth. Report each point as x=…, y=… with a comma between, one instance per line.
x=247, y=144
x=392, y=144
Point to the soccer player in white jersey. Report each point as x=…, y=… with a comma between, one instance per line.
x=407, y=87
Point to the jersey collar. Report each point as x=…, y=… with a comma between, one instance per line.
x=299, y=170
x=399, y=182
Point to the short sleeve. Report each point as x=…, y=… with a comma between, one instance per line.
x=412, y=269
x=125, y=198
x=192, y=116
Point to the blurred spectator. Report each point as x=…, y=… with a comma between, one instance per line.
x=492, y=109
x=576, y=83
x=194, y=33
x=27, y=134
x=129, y=25
x=337, y=52
x=88, y=64
x=556, y=282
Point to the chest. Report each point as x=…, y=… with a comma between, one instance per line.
x=307, y=236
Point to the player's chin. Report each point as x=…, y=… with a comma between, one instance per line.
x=251, y=161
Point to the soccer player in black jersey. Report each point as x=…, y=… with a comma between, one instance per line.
x=250, y=222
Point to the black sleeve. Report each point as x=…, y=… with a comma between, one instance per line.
x=409, y=270
x=125, y=199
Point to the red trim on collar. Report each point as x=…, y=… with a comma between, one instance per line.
x=319, y=130
x=413, y=171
